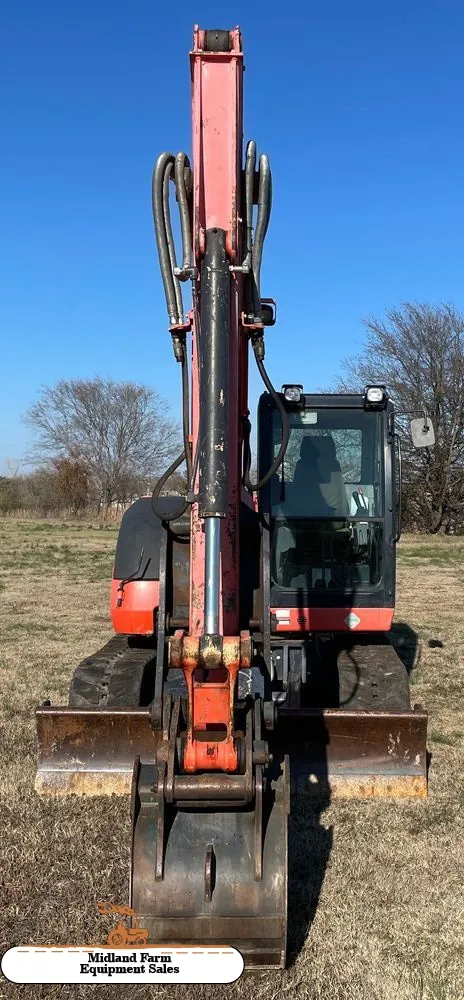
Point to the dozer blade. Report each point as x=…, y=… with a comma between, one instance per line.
x=207, y=890
x=356, y=753
x=91, y=751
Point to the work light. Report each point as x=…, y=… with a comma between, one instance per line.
x=292, y=393
x=375, y=393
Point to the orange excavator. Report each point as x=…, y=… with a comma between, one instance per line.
x=251, y=652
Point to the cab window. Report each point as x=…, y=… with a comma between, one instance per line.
x=332, y=467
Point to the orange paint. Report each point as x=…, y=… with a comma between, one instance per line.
x=332, y=619
x=138, y=602
x=211, y=707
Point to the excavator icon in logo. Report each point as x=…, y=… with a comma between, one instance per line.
x=122, y=935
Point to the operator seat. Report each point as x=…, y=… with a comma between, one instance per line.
x=331, y=484
x=318, y=478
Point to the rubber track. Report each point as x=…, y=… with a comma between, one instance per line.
x=372, y=676
x=115, y=675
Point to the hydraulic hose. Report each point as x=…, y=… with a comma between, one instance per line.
x=181, y=171
x=177, y=168
x=252, y=487
x=171, y=245
x=262, y=222
x=185, y=455
x=164, y=162
x=159, y=486
x=253, y=294
x=169, y=168
x=250, y=165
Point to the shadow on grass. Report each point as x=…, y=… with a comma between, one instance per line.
x=310, y=845
x=406, y=643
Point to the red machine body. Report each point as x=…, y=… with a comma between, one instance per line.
x=136, y=614
x=133, y=606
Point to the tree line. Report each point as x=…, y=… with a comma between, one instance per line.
x=99, y=443
x=417, y=352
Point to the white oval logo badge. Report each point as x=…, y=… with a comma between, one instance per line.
x=94, y=964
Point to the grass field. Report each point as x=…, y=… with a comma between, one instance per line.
x=388, y=923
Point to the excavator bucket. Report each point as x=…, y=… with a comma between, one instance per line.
x=199, y=874
x=213, y=877
x=91, y=751
x=215, y=872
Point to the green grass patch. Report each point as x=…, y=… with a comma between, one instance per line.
x=436, y=814
x=434, y=555
x=8, y=706
x=29, y=628
x=446, y=690
x=96, y=564
x=34, y=527
x=432, y=984
x=448, y=739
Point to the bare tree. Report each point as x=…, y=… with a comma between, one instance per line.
x=119, y=432
x=13, y=467
x=72, y=483
x=417, y=351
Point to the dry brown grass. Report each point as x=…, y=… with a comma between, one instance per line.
x=389, y=923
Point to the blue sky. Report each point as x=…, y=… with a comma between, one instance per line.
x=360, y=108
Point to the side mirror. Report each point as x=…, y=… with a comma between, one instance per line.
x=422, y=432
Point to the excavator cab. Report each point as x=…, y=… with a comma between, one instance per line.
x=333, y=511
